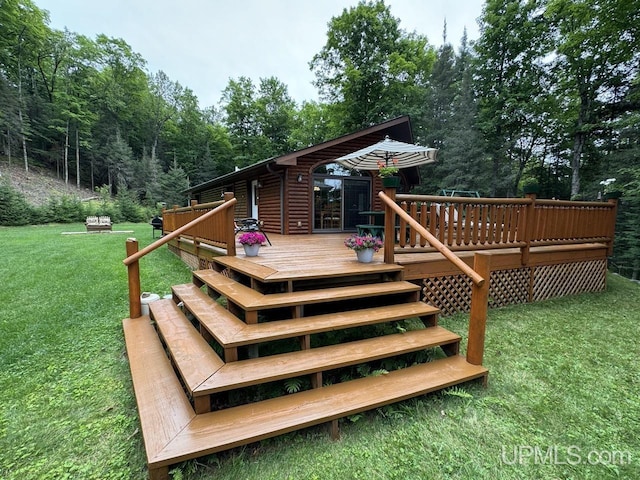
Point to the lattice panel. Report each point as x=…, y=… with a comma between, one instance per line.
x=569, y=279
x=191, y=260
x=509, y=286
x=451, y=294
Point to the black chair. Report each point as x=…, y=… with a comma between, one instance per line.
x=250, y=225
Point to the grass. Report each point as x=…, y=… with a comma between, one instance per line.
x=563, y=394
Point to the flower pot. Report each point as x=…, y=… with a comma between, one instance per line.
x=251, y=250
x=391, y=182
x=366, y=255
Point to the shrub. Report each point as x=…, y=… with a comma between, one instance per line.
x=14, y=209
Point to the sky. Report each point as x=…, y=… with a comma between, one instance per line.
x=203, y=44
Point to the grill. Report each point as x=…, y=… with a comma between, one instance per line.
x=156, y=224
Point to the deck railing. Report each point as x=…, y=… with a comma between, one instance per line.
x=479, y=274
x=446, y=224
x=213, y=232
x=463, y=223
x=213, y=222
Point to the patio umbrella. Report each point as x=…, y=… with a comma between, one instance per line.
x=404, y=155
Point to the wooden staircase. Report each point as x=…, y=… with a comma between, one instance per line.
x=192, y=358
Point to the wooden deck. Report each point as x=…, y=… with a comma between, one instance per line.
x=308, y=257
x=192, y=353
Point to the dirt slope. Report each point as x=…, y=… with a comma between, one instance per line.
x=38, y=185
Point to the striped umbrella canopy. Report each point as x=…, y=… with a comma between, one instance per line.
x=388, y=153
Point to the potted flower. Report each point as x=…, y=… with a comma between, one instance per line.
x=364, y=246
x=251, y=242
x=388, y=174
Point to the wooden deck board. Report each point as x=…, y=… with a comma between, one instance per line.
x=222, y=324
x=163, y=408
x=284, y=258
x=192, y=355
x=287, y=365
x=230, y=331
x=271, y=267
x=250, y=300
x=221, y=430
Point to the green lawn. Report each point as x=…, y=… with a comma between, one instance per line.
x=563, y=399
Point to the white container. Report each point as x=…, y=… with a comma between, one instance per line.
x=145, y=299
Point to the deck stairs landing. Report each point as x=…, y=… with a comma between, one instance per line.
x=193, y=360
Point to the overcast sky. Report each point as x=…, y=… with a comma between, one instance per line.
x=204, y=43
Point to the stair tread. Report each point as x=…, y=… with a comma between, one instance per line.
x=230, y=331
x=219, y=322
x=267, y=274
x=249, y=299
x=192, y=355
x=163, y=407
x=216, y=431
x=288, y=365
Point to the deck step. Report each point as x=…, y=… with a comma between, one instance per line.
x=163, y=407
x=192, y=355
x=221, y=430
x=266, y=274
x=251, y=300
x=230, y=331
x=271, y=368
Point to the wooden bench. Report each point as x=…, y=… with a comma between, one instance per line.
x=98, y=224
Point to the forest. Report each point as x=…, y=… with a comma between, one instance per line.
x=549, y=94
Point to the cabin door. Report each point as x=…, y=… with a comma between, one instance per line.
x=357, y=198
x=254, y=199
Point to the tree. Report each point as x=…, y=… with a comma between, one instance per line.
x=274, y=116
x=163, y=102
x=21, y=34
x=509, y=71
x=313, y=123
x=239, y=105
x=597, y=55
x=369, y=68
x=172, y=186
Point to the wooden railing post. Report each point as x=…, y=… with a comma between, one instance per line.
x=389, y=227
x=612, y=225
x=230, y=226
x=479, y=308
x=529, y=225
x=133, y=271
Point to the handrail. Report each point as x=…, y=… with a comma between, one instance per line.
x=433, y=241
x=132, y=261
x=176, y=233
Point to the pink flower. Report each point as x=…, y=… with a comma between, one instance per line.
x=361, y=242
x=252, y=238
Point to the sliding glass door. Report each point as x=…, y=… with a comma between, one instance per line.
x=338, y=197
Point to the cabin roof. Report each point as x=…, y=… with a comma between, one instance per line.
x=400, y=129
